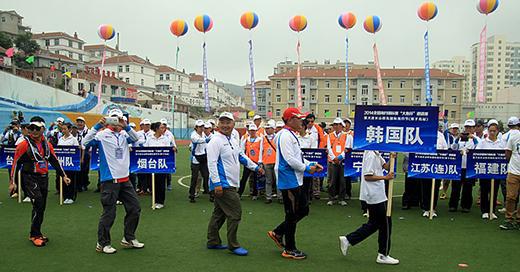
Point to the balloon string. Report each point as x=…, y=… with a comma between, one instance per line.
x=177, y=55
x=298, y=75
x=205, y=73
x=346, y=70
x=252, y=68
x=101, y=75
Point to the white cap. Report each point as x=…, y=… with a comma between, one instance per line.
x=338, y=121
x=145, y=121
x=492, y=122
x=132, y=125
x=199, y=123
x=454, y=125
x=124, y=118
x=280, y=124
x=347, y=120
x=60, y=119
x=164, y=121
x=513, y=121
x=207, y=125
x=469, y=123
x=257, y=117
x=212, y=122
x=252, y=127
x=80, y=118
x=115, y=113
x=227, y=115
x=270, y=124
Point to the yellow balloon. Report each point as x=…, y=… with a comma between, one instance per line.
x=251, y=114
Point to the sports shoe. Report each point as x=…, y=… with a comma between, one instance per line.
x=508, y=225
x=330, y=203
x=26, y=199
x=493, y=216
x=240, y=251
x=426, y=214
x=68, y=201
x=217, y=247
x=254, y=198
x=158, y=206
x=502, y=210
x=343, y=245
x=293, y=254
x=105, y=249
x=268, y=201
x=434, y=214
x=485, y=216
x=365, y=214
x=169, y=188
x=119, y=202
x=38, y=241
x=15, y=195
x=278, y=240
x=132, y=243
x=443, y=196
x=382, y=259
x=464, y=210
x=451, y=209
x=343, y=203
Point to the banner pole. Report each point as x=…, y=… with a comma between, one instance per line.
x=153, y=191
x=390, y=188
x=432, y=199
x=61, y=191
x=19, y=186
x=491, y=199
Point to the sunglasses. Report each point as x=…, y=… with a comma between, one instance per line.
x=34, y=128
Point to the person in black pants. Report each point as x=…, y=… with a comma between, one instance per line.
x=246, y=175
x=411, y=195
x=199, y=159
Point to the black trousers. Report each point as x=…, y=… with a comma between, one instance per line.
x=70, y=191
x=195, y=168
x=337, y=186
x=133, y=180
x=485, y=194
x=252, y=185
x=348, y=187
x=36, y=187
x=296, y=206
x=110, y=193
x=160, y=188
x=83, y=180
x=377, y=221
x=426, y=192
x=144, y=182
x=412, y=192
x=463, y=187
x=307, y=187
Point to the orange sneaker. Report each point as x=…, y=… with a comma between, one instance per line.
x=277, y=239
x=37, y=241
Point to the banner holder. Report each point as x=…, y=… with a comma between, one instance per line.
x=61, y=191
x=432, y=200
x=19, y=186
x=390, y=188
x=153, y=191
x=491, y=199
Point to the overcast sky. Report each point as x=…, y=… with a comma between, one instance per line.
x=144, y=30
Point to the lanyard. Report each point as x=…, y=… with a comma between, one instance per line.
x=228, y=138
x=117, y=137
x=299, y=146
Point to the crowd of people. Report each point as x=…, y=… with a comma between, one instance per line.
x=274, y=170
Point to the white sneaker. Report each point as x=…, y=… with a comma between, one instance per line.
x=503, y=210
x=343, y=245
x=254, y=198
x=365, y=214
x=132, y=244
x=493, y=216
x=119, y=202
x=330, y=203
x=106, y=249
x=26, y=199
x=158, y=206
x=434, y=214
x=343, y=203
x=485, y=216
x=426, y=214
x=68, y=201
x=382, y=259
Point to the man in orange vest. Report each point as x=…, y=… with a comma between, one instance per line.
x=314, y=128
x=252, y=147
x=268, y=160
x=257, y=120
x=336, y=143
x=348, y=148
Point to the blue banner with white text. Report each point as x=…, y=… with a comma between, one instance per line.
x=486, y=164
x=318, y=155
x=396, y=128
x=445, y=164
x=145, y=160
x=69, y=157
x=354, y=163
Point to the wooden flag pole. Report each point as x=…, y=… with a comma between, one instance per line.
x=19, y=186
x=390, y=188
x=491, y=199
x=61, y=190
x=153, y=191
x=432, y=199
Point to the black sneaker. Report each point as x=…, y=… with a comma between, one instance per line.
x=278, y=240
x=464, y=210
x=268, y=201
x=294, y=254
x=508, y=225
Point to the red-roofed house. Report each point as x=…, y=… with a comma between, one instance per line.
x=168, y=81
x=61, y=43
x=112, y=89
x=323, y=90
x=95, y=51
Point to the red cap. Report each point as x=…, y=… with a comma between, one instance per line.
x=292, y=112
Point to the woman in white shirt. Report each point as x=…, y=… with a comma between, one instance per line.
x=308, y=140
x=158, y=139
x=67, y=139
x=492, y=141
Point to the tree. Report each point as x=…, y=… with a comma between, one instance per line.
x=5, y=41
x=23, y=42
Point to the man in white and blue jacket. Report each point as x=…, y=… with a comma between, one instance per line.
x=224, y=159
x=289, y=168
x=114, y=164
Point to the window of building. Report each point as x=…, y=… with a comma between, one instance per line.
x=389, y=84
x=278, y=98
x=161, y=76
x=277, y=112
x=123, y=92
x=278, y=84
x=114, y=91
x=3, y=19
x=453, y=114
x=47, y=42
x=417, y=98
x=340, y=84
x=127, y=68
x=353, y=82
x=313, y=82
x=439, y=82
x=402, y=84
x=327, y=84
x=453, y=84
x=401, y=99
x=142, y=70
x=313, y=97
x=70, y=43
x=303, y=89
x=417, y=82
x=200, y=85
x=92, y=87
x=167, y=76
x=70, y=55
x=338, y=99
x=80, y=86
x=390, y=99
x=292, y=82
x=327, y=99
x=142, y=82
x=291, y=97
x=104, y=89
x=56, y=41
x=454, y=99
x=338, y=113
x=364, y=89
x=353, y=97
x=127, y=80
x=375, y=97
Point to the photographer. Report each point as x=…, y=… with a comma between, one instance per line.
x=11, y=134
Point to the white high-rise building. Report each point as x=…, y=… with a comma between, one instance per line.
x=457, y=65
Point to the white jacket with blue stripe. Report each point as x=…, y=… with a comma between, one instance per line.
x=224, y=159
x=290, y=164
x=108, y=141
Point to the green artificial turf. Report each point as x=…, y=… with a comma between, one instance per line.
x=175, y=237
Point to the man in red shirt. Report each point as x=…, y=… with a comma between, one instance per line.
x=32, y=157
